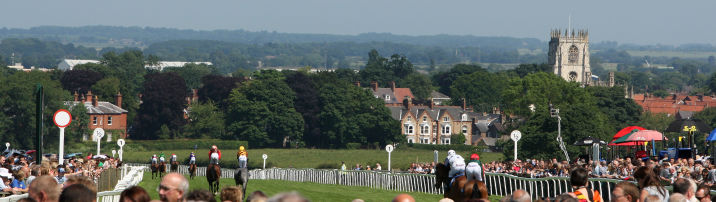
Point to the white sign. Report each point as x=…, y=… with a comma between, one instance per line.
x=435, y=156
x=264, y=157
x=120, y=154
x=7, y=145
x=114, y=152
x=516, y=135
x=98, y=133
x=62, y=118
x=389, y=148
x=120, y=143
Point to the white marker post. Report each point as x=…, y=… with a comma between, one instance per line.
x=120, y=143
x=98, y=134
x=264, y=157
x=389, y=149
x=62, y=119
x=515, y=136
x=114, y=152
x=435, y=156
x=7, y=146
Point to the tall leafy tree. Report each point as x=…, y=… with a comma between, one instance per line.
x=107, y=88
x=306, y=103
x=419, y=84
x=262, y=112
x=79, y=80
x=192, y=73
x=205, y=121
x=79, y=125
x=445, y=79
x=384, y=70
x=479, y=89
x=217, y=88
x=620, y=111
x=163, y=103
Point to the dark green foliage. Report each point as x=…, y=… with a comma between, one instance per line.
x=79, y=80
x=458, y=139
x=47, y=54
x=217, y=88
x=79, y=125
x=177, y=144
x=385, y=70
x=621, y=112
x=479, y=89
x=206, y=120
x=444, y=148
x=445, y=79
x=306, y=103
x=419, y=84
x=107, y=89
x=162, y=106
x=192, y=73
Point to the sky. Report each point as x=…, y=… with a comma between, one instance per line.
x=631, y=21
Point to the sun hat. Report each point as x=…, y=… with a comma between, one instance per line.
x=4, y=172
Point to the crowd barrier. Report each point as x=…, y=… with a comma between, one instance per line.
x=130, y=176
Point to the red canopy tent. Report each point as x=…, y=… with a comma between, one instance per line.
x=623, y=132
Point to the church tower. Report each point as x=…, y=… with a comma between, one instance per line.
x=569, y=55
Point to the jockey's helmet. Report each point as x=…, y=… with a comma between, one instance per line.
x=241, y=148
x=213, y=147
x=451, y=152
x=474, y=157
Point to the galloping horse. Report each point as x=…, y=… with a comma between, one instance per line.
x=241, y=177
x=174, y=166
x=460, y=189
x=192, y=171
x=213, y=174
x=158, y=169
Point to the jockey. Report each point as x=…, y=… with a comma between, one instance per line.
x=456, y=164
x=154, y=159
x=214, y=155
x=192, y=158
x=161, y=157
x=242, y=155
x=473, y=170
x=173, y=158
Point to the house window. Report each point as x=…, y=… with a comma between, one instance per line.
x=109, y=120
x=425, y=130
x=425, y=118
x=446, y=119
x=464, y=129
x=408, y=119
x=425, y=141
x=410, y=129
x=109, y=136
x=410, y=140
x=446, y=130
x=573, y=54
x=94, y=120
x=446, y=140
x=464, y=117
x=387, y=97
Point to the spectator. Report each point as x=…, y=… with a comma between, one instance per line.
x=257, y=196
x=565, y=198
x=77, y=193
x=5, y=179
x=34, y=172
x=377, y=166
x=649, y=184
x=173, y=187
x=686, y=187
x=60, y=176
x=520, y=196
x=289, y=197
x=703, y=194
x=134, y=194
x=79, y=179
x=579, y=178
x=232, y=194
x=403, y=198
x=19, y=182
x=200, y=195
x=677, y=197
x=625, y=192
x=44, y=189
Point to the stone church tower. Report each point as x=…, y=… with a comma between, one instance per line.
x=569, y=55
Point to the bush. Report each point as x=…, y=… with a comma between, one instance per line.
x=187, y=144
x=353, y=145
x=444, y=147
x=458, y=139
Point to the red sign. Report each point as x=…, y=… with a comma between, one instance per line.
x=62, y=118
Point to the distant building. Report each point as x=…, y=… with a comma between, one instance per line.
x=68, y=64
x=439, y=98
x=569, y=55
x=19, y=67
x=392, y=96
x=674, y=103
x=110, y=117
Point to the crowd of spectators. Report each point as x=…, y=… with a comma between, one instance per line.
x=422, y=168
x=17, y=173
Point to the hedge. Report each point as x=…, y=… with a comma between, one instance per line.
x=443, y=147
x=150, y=145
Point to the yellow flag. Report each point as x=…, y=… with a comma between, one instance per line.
x=646, y=143
x=680, y=137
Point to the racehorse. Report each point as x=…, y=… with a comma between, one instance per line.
x=241, y=177
x=192, y=171
x=213, y=174
x=158, y=169
x=174, y=166
x=460, y=189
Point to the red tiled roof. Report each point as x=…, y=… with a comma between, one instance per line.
x=402, y=92
x=674, y=103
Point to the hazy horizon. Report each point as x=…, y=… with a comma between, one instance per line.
x=660, y=22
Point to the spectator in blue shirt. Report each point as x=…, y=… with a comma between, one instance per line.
x=19, y=182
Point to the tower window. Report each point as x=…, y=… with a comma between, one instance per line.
x=572, y=76
x=573, y=54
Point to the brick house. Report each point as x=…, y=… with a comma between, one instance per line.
x=110, y=117
x=392, y=96
x=674, y=103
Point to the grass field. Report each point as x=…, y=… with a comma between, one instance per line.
x=314, y=158
x=312, y=191
x=681, y=54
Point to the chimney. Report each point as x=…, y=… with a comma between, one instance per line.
x=432, y=104
x=464, y=104
x=94, y=101
x=392, y=86
x=89, y=96
x=118, y=100
x=409, y=102
x=77, y=97
x=357, y=83
x=374, y=85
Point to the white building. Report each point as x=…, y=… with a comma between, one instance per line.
x=68, y=64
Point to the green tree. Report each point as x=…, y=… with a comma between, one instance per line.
x=79, y=125
x=162, y=105
x=419, y=84
x=445, y=79
x=107, y=88
x=192, y=73
x=205, y=121
x=481, y=89
x=621, y=112
x=458, y=139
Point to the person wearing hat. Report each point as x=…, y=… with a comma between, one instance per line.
x=242, y=155
x=161, y=158
x=214, y=155
x=474, y=170
x=60, y=176
x=154, y=159
x=5, y=179
x=192, y=158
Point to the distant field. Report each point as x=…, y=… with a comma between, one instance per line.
x=681, y=54
x=312, y=191
x=314, y=158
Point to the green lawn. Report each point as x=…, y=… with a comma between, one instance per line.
x=681, y=54
x=314, y=158
x=312, y=191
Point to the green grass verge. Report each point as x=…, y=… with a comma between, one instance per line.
x=313, y=158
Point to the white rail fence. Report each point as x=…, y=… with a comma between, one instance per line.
x=131, y=176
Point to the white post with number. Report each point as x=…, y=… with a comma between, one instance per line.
x=264, y=157
x=389, y=149
x=435, y=156
x=114, y=152
x=7, y=146
x=515, y=136
x=62, y=119
x=98, y=134
x=120, y=143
